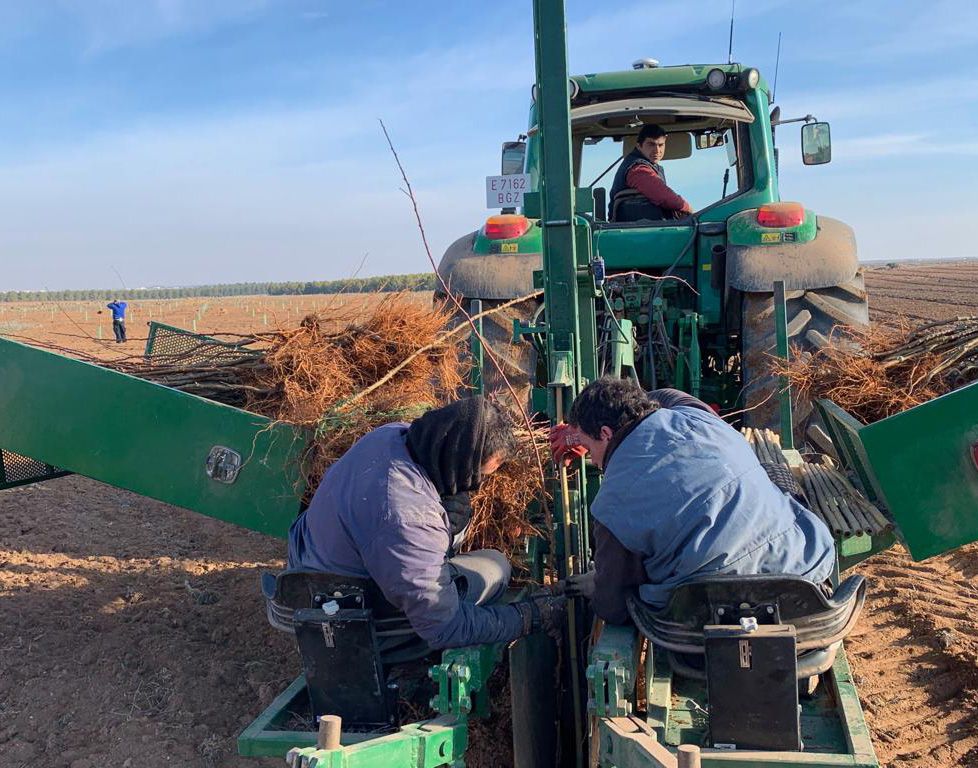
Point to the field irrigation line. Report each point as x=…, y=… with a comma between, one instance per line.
x=485, y=345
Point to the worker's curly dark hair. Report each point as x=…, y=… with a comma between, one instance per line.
x=609, y=402
x=500, y=438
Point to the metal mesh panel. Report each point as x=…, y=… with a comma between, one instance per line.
x=166, y=341
x=20, y=470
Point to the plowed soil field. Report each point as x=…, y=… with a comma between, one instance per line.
x=132, y=633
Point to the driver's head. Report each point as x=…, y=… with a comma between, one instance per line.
x=651, y=142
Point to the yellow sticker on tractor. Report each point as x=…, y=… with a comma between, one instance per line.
x=772, y=237
x=509, y=247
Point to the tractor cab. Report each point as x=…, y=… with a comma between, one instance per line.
x=706, y=158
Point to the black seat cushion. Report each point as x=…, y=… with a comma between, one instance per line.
x=820, y=619
x=292, y=590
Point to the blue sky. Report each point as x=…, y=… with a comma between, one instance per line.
x=194, y=141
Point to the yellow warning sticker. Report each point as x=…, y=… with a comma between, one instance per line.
x=509, y=247
x=707, y=267
x=772, y=237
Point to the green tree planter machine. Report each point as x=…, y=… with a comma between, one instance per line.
x=605, y=697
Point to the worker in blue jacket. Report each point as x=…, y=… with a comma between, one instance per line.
x=682, y=495
x=118, y=319
x=379, y=513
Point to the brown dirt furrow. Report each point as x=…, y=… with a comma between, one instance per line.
x=915, y=660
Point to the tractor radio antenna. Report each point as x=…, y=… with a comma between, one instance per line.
x=733, y=7
x=777, y=65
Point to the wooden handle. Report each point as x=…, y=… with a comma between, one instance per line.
x=330, y=727
x=688, y=756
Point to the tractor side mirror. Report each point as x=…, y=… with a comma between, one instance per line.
x=514, y=156
x=816, y=144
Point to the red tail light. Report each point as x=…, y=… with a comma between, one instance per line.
x=781, y=215
x=505, y=226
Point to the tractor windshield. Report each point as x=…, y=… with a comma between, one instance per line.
x=707, y=143
x=703, y=166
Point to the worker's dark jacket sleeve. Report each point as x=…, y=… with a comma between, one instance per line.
x=376, y=514
x=616, y=572
x=650, y=184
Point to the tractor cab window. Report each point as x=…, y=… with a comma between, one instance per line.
x=703, y=166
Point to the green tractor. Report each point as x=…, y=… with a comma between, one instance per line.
x=697, y=291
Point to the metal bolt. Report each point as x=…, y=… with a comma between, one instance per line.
x=770, y=610
x=720, y=611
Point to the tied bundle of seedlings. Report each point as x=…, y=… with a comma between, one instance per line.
x=503, y=507
x=885, y=370
x=390, y=365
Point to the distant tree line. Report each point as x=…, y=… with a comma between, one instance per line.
x=386, y=283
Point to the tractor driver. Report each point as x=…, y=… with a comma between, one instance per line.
x=380, y=513
x=639, y=190
x=683, y=495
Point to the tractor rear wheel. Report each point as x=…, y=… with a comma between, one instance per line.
x=518, y=361
x=811, y=317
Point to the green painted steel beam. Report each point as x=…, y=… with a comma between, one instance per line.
x=784, y=386
x=429, y=744
x=149, y=439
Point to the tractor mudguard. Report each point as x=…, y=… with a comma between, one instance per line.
x=829, y=259
x=487, y=275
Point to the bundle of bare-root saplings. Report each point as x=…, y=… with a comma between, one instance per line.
x=885, y=370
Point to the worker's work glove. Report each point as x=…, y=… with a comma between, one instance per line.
x=565, y=445
x=578, y=585
x=544, y=611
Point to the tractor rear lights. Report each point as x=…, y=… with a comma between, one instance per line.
x=781, y=215
x=506, y=226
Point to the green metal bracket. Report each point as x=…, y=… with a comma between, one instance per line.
x=475, y=347
x=563, y=370
x=584, y=200
x=784, y=386
x=429, y=744
x=610, y=672
x=521, y=330
x=689, y=367
x=622, y=349
x=462, y=673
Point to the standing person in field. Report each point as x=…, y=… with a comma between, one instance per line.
x=380, y=513
x=683, y=495
x=118, y=319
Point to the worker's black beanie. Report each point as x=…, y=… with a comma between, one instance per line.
x=449, y=443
